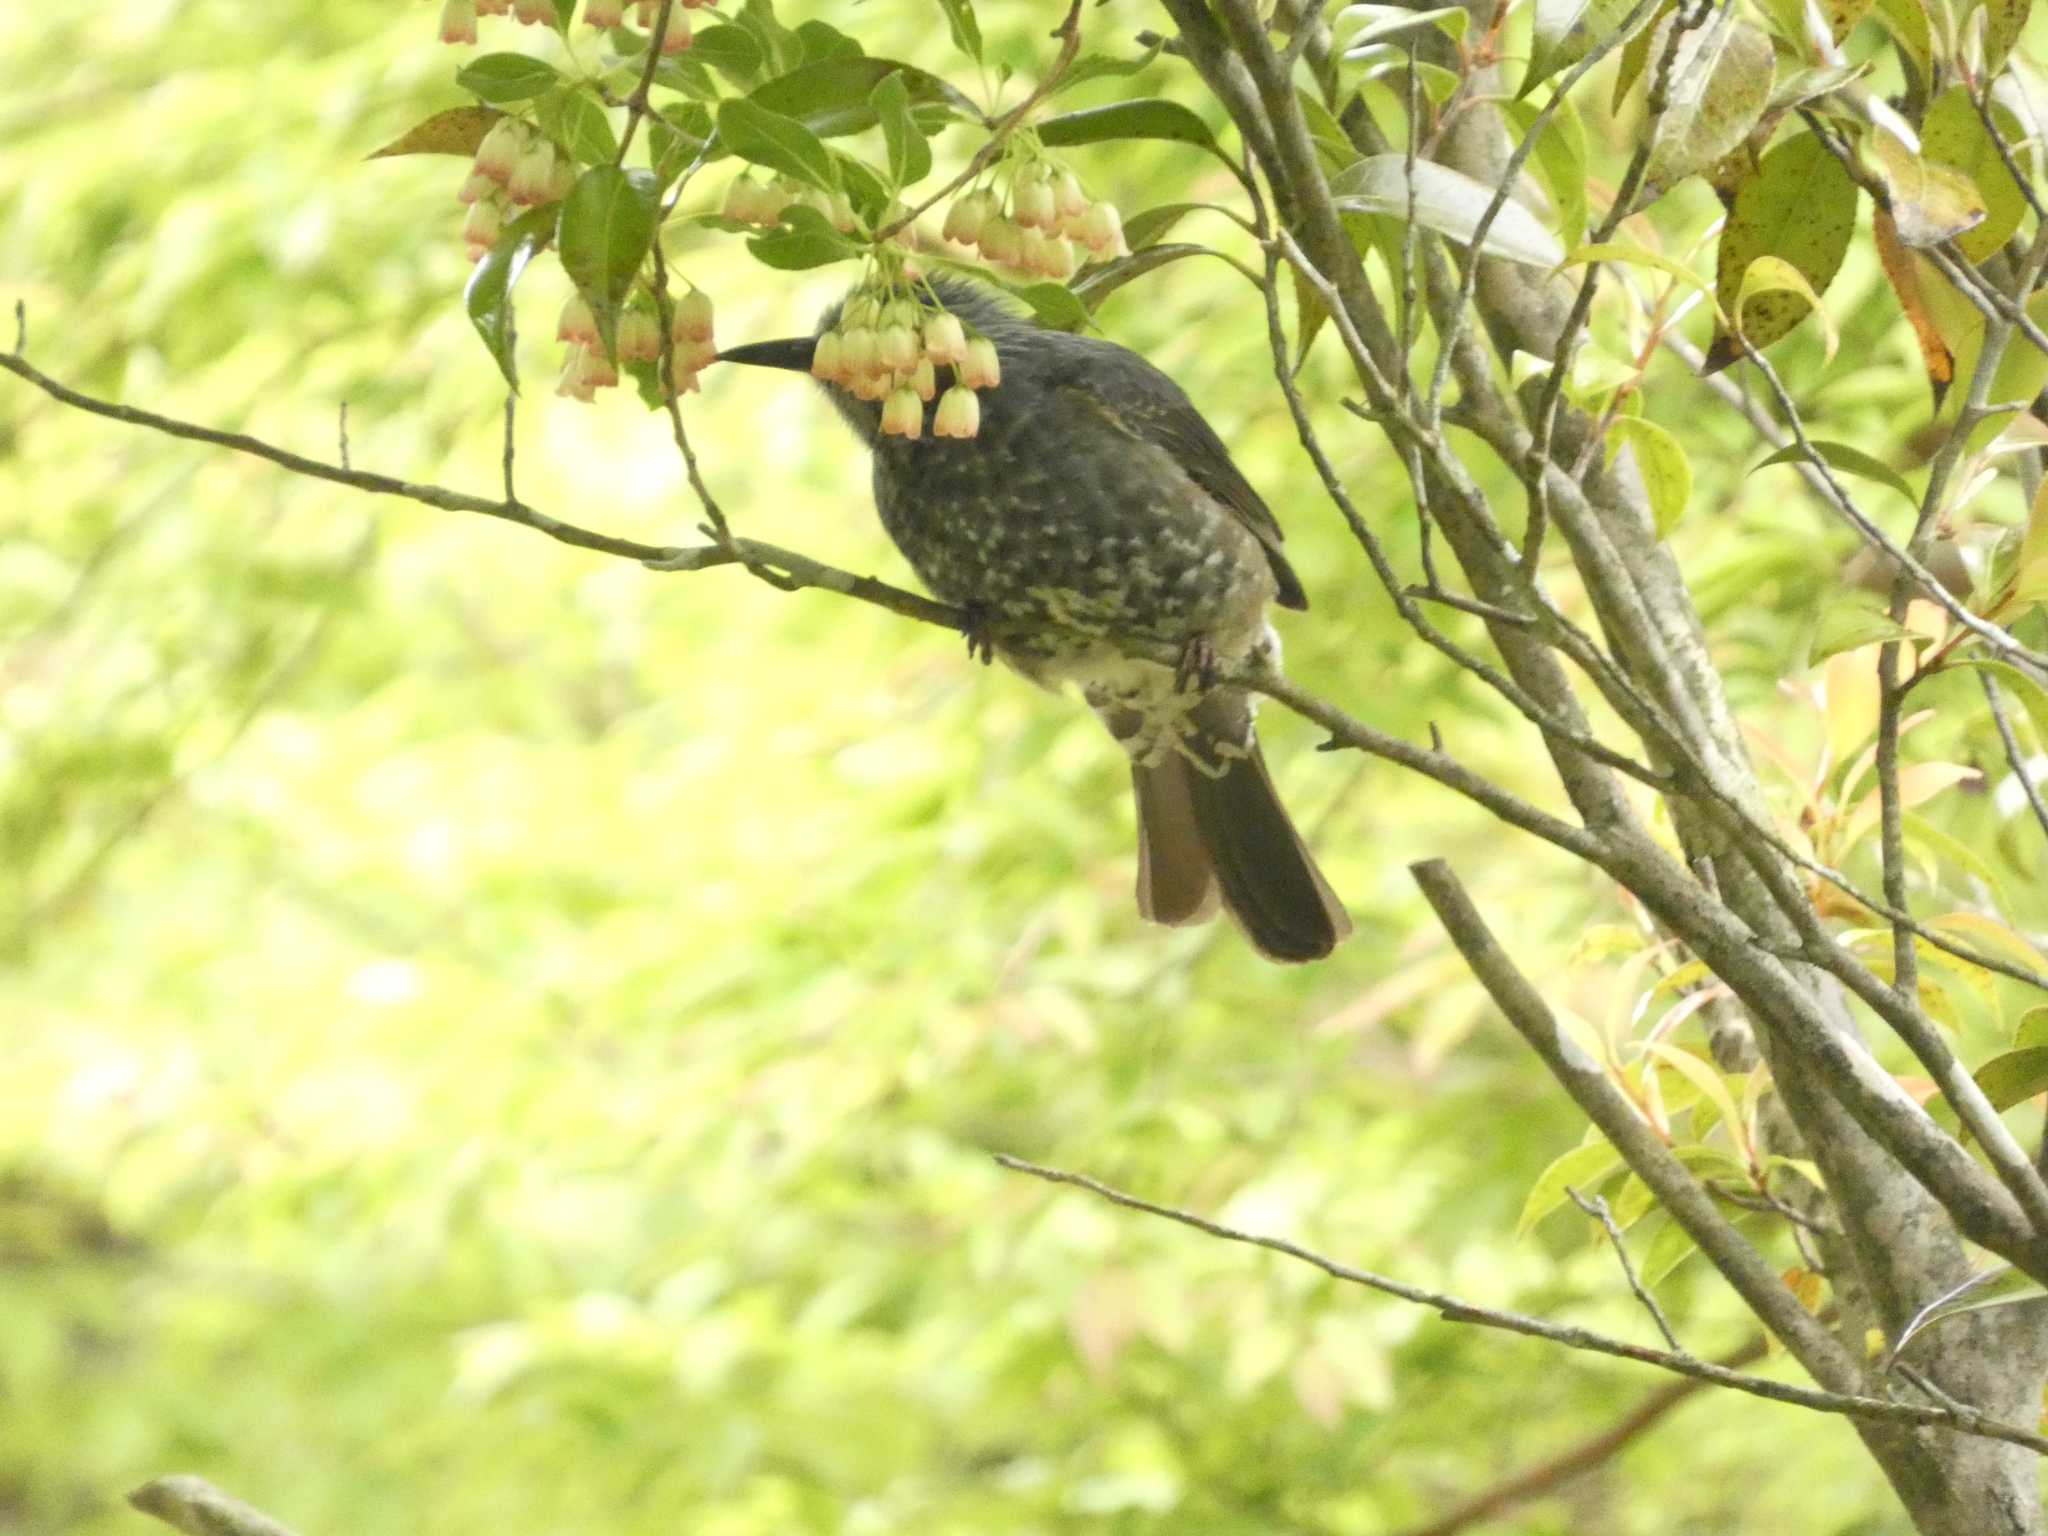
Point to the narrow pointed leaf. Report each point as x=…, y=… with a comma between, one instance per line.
x=1449, y=202
x=910, y=157
x=607, y=226
x=1849, y=460
x=488, y=297
x=506, y=77
x=1146, y=118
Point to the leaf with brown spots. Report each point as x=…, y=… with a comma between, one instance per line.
x=457, y=131
x=1799, y=207
x=2004, y=20
x=1842, y=15
x=1719, y=83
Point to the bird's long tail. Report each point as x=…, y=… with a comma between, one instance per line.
x=1210, y=823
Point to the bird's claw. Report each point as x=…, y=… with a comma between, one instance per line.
x=974, y=624
x=1197, y=671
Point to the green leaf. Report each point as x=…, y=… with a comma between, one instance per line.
x=965, y=29
x=502, y=77
x=1906, y=21
x=1635, y=55
x=1845, y=458
x=2032, y=1030
x=731, y=50
x=805, y=239
x=830, y=98
x=1055, y=305
x=2014, y=1077
x=821, y=41
x=1661, y=461
x=910, y=157
x=1583, y=1168
x=1799, y=206
x=1377, y=23
x=607, y=226
x=1564, y=31
x=2004, y=21
x=1993, y=1288
x=1102, y=279
x=1143, y=229
x=1771, y=280
x=457, y=131
x=1720, y=80
x=574, y=120
x=1849, y=625
x=1100, y=66
x=1150, y=117
x=1953, y=135
x=1636, y=256
x=1671, y=1247
x=1449, y=202
x=768, y=138
x=1560, y=159
x=488, y=296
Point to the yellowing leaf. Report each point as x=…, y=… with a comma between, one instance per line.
x=1772, y=277
x=458, y=131
x=1930, y=202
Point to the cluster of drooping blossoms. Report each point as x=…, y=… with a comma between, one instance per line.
x=890, y=349
x=458, y=17
x=1048, y=213
x=763, y=203
x=515, y=167
x=586, y=369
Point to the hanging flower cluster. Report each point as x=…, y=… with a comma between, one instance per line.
x=515, y=167
x=891, y=348
x=1035, y=228
x=586, y=369
x=763, y=203
x=458, y=17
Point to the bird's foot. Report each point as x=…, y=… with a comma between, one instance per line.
x=974, y=624
x=1198, y=667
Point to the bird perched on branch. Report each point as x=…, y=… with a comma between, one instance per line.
x=1068, y=497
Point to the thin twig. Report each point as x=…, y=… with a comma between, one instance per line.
x=1069, y=34
x=195, y=1506
x=1596, y=1207
x=1453, y=1309
x=637, y=104
x=2015, y=758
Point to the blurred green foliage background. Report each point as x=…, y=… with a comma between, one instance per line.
x=500, y=1040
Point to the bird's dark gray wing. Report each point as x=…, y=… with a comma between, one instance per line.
x=1138, y=399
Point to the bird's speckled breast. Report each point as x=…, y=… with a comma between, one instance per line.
x=1107, y=537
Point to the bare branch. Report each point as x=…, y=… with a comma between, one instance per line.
x=193, y=1505
x=1454, y=1310
x=1597, y=1208
x=2014, y=757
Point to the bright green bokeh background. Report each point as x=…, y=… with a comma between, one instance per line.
x=500, y=1040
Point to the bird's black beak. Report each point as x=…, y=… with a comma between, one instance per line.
x=792, y=352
